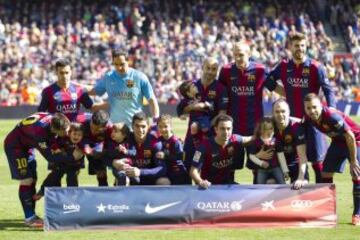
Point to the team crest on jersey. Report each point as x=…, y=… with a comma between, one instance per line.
x=197, y=156
x=73, y=96
x=160, y=155
x=251, y=77
x=326, y=127
x=147, y=153
x=42, y=145
x=212, y=94
x=288, y=138
x=130, y=83
x=230, y=150
x=306, y=71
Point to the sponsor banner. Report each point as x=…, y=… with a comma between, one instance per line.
x=188, y=206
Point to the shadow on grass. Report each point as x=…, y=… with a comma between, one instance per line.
x=16, y=225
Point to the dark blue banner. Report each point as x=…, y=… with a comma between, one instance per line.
x=188, y=206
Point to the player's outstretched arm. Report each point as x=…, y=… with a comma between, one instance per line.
x=301, y=181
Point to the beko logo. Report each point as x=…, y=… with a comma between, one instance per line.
x=71, y=208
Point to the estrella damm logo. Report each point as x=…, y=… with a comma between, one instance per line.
x=306, y=71
x=251, y=77
x=288, y=138
x=130, y=83
x=147, y=153
x=212, y=94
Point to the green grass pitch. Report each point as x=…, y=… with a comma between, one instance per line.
x=11, y=216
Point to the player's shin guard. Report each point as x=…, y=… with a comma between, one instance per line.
x=356, y=197
x=254, y=172
x=318, y=167
x=28, y=205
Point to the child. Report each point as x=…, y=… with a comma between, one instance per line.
x=173, y=150
x=200, y=112
x=264, y=137
x=116, y=152
x=71, y=169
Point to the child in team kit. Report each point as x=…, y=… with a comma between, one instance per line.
x=275, y=167
x=116, y=151
x=71, y=169
x=173, y=150
x=200, y=117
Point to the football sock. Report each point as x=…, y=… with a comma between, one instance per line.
x=25, y=195
x=318, y=166
x=33, y=192
x=327, y=180
x=356, y=197
x=102, y=181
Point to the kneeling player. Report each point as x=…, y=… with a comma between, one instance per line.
x=345, y=144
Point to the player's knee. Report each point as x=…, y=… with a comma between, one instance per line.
x=27, y=181
x=163, y=181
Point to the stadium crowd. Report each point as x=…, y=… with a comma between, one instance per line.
x=167, y=40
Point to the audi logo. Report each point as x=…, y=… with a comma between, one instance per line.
x=301, y=204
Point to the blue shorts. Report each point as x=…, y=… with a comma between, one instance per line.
x=336, y=157
x=316, y=145
x=21, y=164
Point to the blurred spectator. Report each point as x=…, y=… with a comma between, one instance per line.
x=167, y=40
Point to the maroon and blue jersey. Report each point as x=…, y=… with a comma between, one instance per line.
x=215, y=94
x=173, y=151
x=334, y=124
x=34, y=132
x=67, y=101
x=300, y=80
x=216, y=162
x=245, y=91
x=288, y=139
x=258, y=143
x=111, y=151
x=149, y=156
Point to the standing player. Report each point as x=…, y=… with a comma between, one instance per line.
x=36, y=131
x=213, y=160
x=64, y=96
x=148, y=167
x=244, y=81
x=345, y=144
x=300, y=76
x=290, y=138
x=210, y=91
x=126, y=88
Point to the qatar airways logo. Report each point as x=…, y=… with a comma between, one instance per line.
x=224, y=163
x=66, y=108
x=123, y=95
x=298, y=82
x=223, y=206
x=243, y=90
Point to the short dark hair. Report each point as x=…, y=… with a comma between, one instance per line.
x=164, y=118
x=222, y=118
x=76, y=127
x=62, y=62
x=139, y=116
x=118, y=52
x=184, y=88
x=297, y=36
x=60, y=122
x=100, y=118
x=311, y=96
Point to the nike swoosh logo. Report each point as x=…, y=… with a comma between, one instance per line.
x=151, y=210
